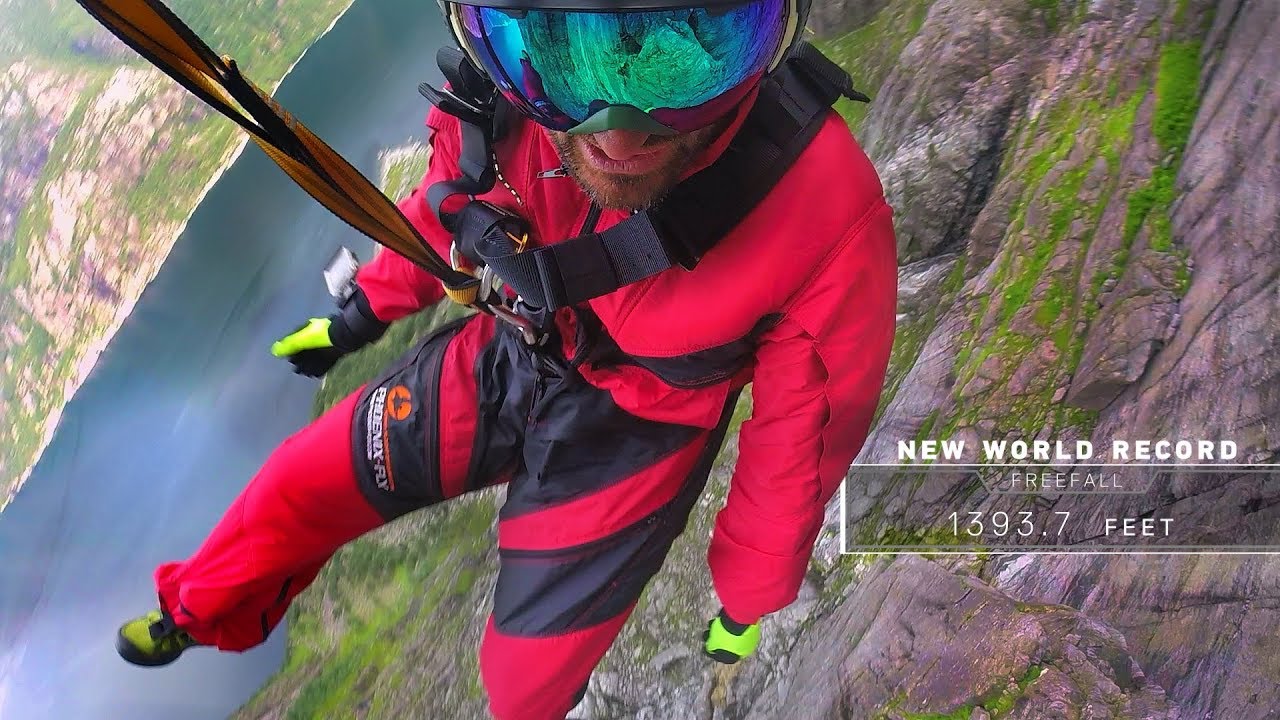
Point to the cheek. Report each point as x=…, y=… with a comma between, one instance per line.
x=564, y=143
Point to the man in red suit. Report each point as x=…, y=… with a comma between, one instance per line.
x=605, y=428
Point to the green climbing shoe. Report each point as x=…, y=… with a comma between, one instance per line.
x=152, y=640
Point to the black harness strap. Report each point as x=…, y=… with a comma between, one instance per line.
x=790, y=109
x=471, y=98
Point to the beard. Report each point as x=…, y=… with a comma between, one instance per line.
x=635, y=192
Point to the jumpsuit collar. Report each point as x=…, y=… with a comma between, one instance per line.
x=717, y=147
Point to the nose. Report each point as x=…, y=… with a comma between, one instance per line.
x=621, y=144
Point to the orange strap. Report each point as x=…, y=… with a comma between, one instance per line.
x=150, y=28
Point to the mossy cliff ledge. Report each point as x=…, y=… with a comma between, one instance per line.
x=1114, y=277
x=102, y=161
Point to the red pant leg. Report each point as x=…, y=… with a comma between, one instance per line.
x=300, y=507
x=579, y=539
x=307, y=501
x=539, y=678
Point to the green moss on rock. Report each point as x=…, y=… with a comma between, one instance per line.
x=1177, y=95
x=962, y=713
x=1152, y=200
x=1050, y=9
x=1177, y=103
x=998, y=704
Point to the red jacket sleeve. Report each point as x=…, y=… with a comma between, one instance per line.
x=395, y=286
x=818, y=379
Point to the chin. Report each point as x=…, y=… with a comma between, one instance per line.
x=616, y=191
x=625, y=192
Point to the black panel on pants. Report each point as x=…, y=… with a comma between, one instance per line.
x=579, y=442
x=505, y=373
x=553, y=592
x=395, y=427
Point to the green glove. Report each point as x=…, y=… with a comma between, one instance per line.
x=317, y=344
x=309, y=348
x=727, y=641
x=312, y=335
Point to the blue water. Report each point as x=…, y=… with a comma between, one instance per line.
x=186, y=402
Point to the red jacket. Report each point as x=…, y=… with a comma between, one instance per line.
x=819, y=254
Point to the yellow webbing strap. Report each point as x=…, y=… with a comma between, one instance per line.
x=150, y=28
x=463, y=296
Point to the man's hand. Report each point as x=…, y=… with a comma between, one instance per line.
x=317, y=344
x=727, y=641
x=310, y=348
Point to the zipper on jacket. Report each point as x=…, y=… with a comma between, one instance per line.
x=539, y=386
x=543, y=373
x=553, y=173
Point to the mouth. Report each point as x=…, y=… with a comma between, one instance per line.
x=639, y=164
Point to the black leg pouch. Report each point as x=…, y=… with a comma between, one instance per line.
x=395, y=431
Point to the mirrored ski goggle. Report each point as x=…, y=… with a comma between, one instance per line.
x=663, y=71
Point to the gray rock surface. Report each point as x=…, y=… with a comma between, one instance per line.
x=1207, y=627
x=831, y=16
x=1217, y=373
x=913, y=638
x=1178, y=342
x=937, y=127
x=920, y=284
x=1130, y=332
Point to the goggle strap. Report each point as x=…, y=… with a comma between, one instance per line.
x=788, y=113
x=473, y=100
x=465, y=80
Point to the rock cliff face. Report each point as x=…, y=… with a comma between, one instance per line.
x=1108, y=170
x=940, y=640
x=1087, y=196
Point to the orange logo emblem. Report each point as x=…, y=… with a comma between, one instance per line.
x=399, y=403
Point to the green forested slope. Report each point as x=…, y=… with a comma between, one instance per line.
x=102, y=159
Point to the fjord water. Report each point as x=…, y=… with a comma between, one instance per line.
x=186, y=402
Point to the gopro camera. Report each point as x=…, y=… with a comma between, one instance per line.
x=340, y=275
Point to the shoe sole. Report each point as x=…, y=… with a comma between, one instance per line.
x=133, y=656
